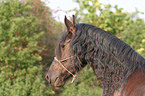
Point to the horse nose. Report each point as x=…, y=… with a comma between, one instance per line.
x=47, y=78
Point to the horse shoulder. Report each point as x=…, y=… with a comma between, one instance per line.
x=135, y=85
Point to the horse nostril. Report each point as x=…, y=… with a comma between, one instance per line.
x=47, y=77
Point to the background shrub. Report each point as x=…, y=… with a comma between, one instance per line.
x=20, y=49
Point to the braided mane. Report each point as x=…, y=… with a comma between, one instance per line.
x=112, y=60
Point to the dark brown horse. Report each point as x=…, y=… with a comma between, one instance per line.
x=119, y=69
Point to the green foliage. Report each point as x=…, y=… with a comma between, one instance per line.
x=134, y=35
x=107, y=17
x=27, y=82
x=20, y=68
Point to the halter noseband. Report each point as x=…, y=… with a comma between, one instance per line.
x=60, y=62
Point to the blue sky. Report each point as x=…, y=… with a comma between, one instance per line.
x=64, y=5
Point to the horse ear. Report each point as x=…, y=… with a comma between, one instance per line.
x=70, y=27
x=75, y=21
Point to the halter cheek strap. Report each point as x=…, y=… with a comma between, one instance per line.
x=60, y=62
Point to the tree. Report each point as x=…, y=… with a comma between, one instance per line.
x=134, y=35
x=20, y=66
x=107, y=17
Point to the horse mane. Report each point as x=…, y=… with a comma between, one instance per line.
x=112, y=60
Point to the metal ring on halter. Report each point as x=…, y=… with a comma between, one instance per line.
x=59, y=61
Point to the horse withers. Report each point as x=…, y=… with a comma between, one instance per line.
x=118, y=67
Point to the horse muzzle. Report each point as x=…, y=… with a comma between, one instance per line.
x=56, y=82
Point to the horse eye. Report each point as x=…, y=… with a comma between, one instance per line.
x=62, y=46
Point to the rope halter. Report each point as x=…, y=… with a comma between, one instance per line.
x=60, y=62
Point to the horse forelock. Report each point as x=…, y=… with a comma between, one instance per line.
x=59, y=44
x=112, y=59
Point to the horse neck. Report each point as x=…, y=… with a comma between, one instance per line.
x=135, y=84
x=126, y=61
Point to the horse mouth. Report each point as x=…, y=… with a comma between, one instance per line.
x=58, y=82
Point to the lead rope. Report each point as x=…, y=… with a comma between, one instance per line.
x=59, y=61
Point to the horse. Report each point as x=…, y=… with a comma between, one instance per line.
x=118, y=67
